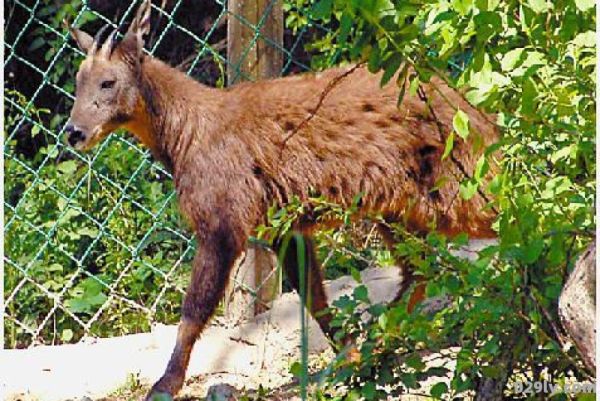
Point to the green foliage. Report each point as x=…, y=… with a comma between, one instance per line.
x=531, y=63
x=343, y=251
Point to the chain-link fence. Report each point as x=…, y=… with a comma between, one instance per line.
x=94, y=245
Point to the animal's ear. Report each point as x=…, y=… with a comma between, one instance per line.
x=141, y=23
x=84, y=41
x=133, y=42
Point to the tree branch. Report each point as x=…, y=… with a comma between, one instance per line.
x=330, y=86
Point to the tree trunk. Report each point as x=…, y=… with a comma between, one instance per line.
x=577, y=307
x=492, y=388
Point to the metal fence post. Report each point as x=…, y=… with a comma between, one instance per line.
x=254, y=37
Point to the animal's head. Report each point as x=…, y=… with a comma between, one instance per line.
x=107, y=92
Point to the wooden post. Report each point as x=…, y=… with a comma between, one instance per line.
x=253, y=53
x=254, y=283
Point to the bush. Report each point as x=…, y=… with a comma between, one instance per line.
x=531, y=63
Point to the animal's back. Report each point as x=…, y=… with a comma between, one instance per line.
x=359, y=141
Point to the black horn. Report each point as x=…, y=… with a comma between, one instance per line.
x=98, y=39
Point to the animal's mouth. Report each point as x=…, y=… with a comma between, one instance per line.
x=76, y=137
x=81, y=146
x=84, y=143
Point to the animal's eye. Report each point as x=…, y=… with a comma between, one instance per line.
x=107, y=84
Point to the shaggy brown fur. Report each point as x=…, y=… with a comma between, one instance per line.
x=226, y=151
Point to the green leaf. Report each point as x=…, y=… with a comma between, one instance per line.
x=345, y=26
x=35, y=130
x=562, y=153
x=585, y=39
x=409, y=380
x=539, y=6
x=461, y=239
x=438, y=390
x=449, y=145
x=534, y=58
x=416, y=362
x=533, y=250
x=439, y=183
x=361, y=293
x=529, y=98
x=355, y=273
x=584, y=5
x=36, y=44
x=374, y=62
x=322, y=9
x=511, y=58
x=432, y=289
x=382, y=321
x=353, y=395
x=68, y=167
x=491, y=371
x=296, y=369
x=481, y=93
x=55, y=267
x=390, y=66
x=460, y=122
x=373, y=10
x=88, y=232
x=481, y=168
x=67, y=335
x=77, y=305
x=462, y=6
x=98, y=299
x=495, y=185
x=468, y=189
x=369, y=390
x=414, y=85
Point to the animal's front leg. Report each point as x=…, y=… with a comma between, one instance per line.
x=172, y=380
x=212, y=264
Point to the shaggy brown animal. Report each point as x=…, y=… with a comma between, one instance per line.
x=235, y=152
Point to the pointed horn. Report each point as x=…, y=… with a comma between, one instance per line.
x=109, y=44
x=97, y=40
x=113, y=37
x=113, y=40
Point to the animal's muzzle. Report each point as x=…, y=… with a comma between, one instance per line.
x=74, y=135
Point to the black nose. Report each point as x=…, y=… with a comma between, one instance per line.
x=74, y=134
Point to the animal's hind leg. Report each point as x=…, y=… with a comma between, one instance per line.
x=212, y=264
x=406, y=272
x=316, y=298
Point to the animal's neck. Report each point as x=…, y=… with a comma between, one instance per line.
x=174, y=111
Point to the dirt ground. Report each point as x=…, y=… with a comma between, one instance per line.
x=230, y=362
x=224, y=387
x=256, y=354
